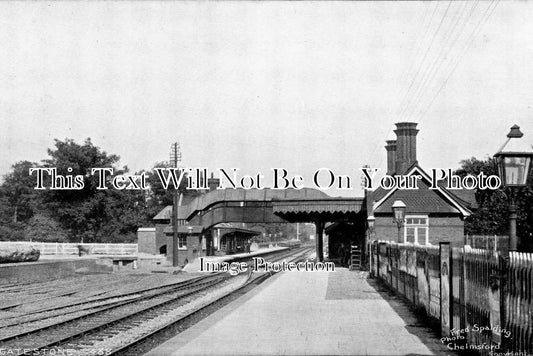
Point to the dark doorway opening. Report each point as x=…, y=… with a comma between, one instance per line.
x=341, y=237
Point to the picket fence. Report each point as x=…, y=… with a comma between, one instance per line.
x=483, y=300
x=488, y=242
x=60, y=248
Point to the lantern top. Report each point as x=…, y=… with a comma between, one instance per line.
x=515, y=132
x=398, y=204
x=515, y=144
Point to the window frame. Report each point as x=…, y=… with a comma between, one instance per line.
x=183, y=244
x=416, y=226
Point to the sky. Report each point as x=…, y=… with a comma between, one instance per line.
x=258, y=85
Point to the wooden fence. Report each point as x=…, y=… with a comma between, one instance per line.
x=482, y=299
x=488, y=242
x=59, y=248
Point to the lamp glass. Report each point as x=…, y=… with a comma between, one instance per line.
x=514, y=169
x=399, y=213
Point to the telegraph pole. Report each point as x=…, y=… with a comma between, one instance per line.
x=175, y=157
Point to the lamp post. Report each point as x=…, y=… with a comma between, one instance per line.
x=371, y=220
x=514, y=161
x=398, y=209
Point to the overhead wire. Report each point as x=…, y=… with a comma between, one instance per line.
x=426, y=25
x=484, y=18
x=405, y=98
x=445, y=56
x=432, y=60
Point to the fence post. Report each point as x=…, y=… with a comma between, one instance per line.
x=444, y=253
x=377, y=259
x=498, y=281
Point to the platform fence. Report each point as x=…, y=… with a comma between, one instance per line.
x=488, y=242
x=482, y=299
x=64, y=248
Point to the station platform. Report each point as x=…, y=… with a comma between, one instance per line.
x=309, y=313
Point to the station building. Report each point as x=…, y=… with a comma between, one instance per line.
x=193, y=240
x=432, y=215
x=215, y=222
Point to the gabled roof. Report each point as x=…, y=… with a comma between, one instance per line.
x=166, y=213
x=183, y=209
x=425, y=200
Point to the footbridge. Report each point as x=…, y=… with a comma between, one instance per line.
x=275, y=206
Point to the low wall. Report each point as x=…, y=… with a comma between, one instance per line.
x=28, y=272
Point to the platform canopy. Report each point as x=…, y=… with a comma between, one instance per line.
x=214, y=197
x=333, y=209
x=271, y=206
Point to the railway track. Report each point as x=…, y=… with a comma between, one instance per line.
x=252, y=282
x=85, y=305
x=117, y=324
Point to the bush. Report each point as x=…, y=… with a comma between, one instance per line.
x=45, y=229
x=18, y=253
x=12, y=232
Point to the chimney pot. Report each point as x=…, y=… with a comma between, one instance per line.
x=391, y=156
x=405, y=145
x=212, y=182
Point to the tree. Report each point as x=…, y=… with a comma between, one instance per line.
x=17, y=201
x=90, y=214
x=491, y=217
x=159, y=197
x=44, y=228
x=17, y=193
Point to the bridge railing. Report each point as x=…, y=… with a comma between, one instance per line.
x=482, y=299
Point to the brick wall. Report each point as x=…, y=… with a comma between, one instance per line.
x=161, y=239
x=441, y=228
x=450, y=229
x=146, y=240
x=193, y=251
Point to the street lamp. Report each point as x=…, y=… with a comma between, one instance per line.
x=371, y=220
x=514, y=161
x=398, y=209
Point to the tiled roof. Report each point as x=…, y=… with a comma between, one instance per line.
x=425, y=200
x=166, y=213
x=466, y=196
x=183, y=208
x=422, y=200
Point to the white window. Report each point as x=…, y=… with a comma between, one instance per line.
x=182, y=242
x=416, y=229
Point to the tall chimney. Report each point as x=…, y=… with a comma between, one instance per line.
x=213, y=182
x=391, y=156
x=405, y=145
